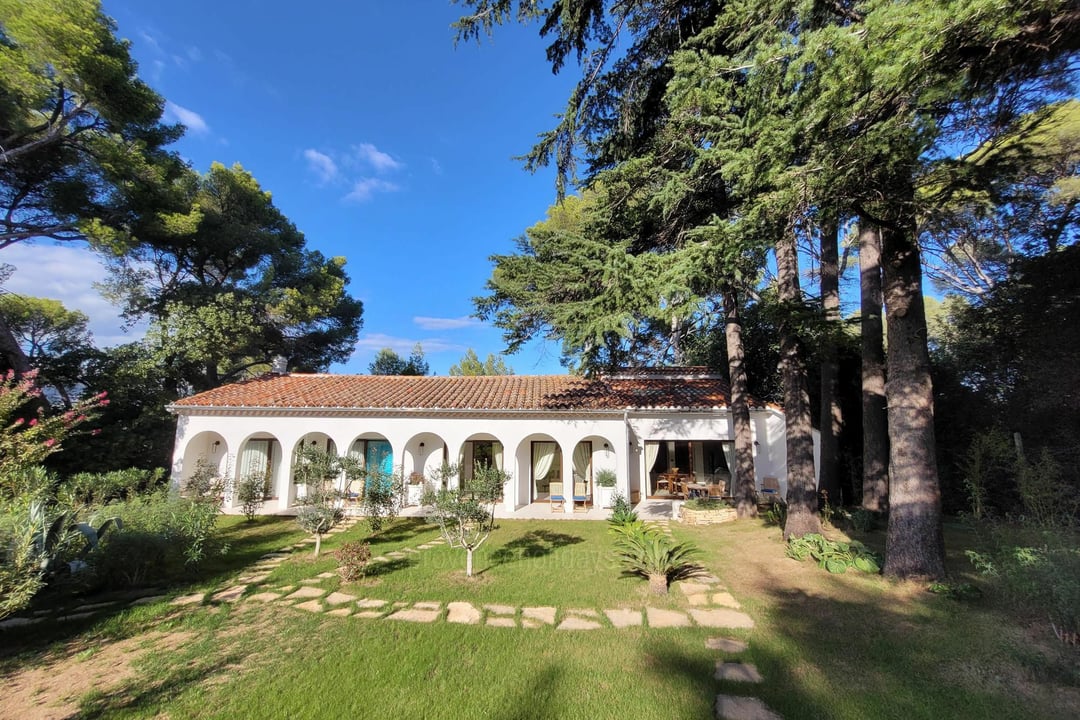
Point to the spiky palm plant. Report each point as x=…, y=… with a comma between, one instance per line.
x=646, y=552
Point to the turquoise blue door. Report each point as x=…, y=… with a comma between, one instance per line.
x=380, y=457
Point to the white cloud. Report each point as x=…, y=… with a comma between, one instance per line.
x=322, y=165
x=365, y=188
x=67, y=273
x=376, y=158
x=150, y=39
x=435, y=166
x=193, y=120
x=435, y=323
x=404, y=346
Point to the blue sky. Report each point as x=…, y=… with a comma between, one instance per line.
x=376, y=136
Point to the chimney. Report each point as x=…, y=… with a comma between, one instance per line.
x=279, y=365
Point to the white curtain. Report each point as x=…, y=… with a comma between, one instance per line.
x=496, y=454
x=582, y=458
x=543, y=456
x=729, y=455
x=466, y=464
x=652, y=450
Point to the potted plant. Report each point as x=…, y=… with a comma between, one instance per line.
x=605, y=487
x=414, y=491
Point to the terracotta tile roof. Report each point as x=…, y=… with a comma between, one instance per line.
x=492, y=392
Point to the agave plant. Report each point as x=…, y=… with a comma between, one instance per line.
x=645, y=551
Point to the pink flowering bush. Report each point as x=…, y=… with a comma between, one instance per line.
x=27, y=433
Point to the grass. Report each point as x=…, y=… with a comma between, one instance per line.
x=848, y=646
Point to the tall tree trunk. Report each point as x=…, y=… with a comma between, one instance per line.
x=831, y=418
x=11, y=350
x=875, y=425
x=914, y=545
x=802, y=517
x=743, y=472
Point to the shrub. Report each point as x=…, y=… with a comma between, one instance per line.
x=622, y=512
x=1047, y=500
x=164, y=536
x=834, y=556
x=318, y=519
x=605, y=477
x=250, y=494
x=466, y=515
x=646, y=552
x=706, y=504
x=776, y=514
x=102, y=488
x=381, y=500
x=1039, y=579
x=205, y=484
x=353, y=558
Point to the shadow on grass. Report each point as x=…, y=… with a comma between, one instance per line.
x=142, y=698
x=534, y=698
x=533, y=544
x=381, y=569
x=399, y=531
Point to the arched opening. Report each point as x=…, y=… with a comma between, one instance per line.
x=425, y=454
x=592, y=456
x=375, y=456
x=259, y=461
x=542, y=457
x=206, y=451
x=479, y=451
x=318, y=441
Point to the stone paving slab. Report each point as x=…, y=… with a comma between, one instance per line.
x=396, y=554
x=370, y=603
x=310, y=606
x=306, y=592
x=230, y=594
x=698, y=599
x=578, y=623
x=279, y=555
x=380, y=558
x=411, y=551
x=462, y=613
x=721, y=618
x=543, y=614
x=367, y=614
x=326, y=575
x=148, y=600
x=693, y=588
x=341, y=612
x=659, y=617
x=254, y=579
x=725, y=599
x=501, y=609
x=311, y=581
x=737, y=672
x=501, y=622
x=728, y=645
x=76, y=616
x=624, y=618
x=189, y=599
x=733, y=707
x=95, y=606
x=264, y=597
x=336, y=598
x=19, y=622
x=411, y=615
x=707, y=579
x=427, y=605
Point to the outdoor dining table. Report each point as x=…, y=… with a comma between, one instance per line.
x=695, y=489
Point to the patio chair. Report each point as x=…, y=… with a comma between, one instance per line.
x=582, y=495
x=770, y=490
x=555, y=496
x=716, y=490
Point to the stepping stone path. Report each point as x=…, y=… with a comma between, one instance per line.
x=709, y=605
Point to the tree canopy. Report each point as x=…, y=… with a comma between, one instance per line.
x=388, y=362
x=470, y=364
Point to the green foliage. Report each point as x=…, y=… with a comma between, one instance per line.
x=1039, y=580
x=1048, y=501
x=103, y=488
x=776, y=514
x=834, y=556
x=466, y=514
x=988, y=471
x=645, y=551
x=205, y=484
x=605, y=477
x=622, y=512
x=471, y=365
x=55, y=340
x=251, y=494
x=319, y=519
x=27, y=434
x=706, y=504
x=353, y=558
x=164, y=537
x=388, y=362
x=955, y=591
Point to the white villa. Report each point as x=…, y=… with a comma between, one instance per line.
x=644, y=425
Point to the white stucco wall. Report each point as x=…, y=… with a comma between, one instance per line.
x=623, y=433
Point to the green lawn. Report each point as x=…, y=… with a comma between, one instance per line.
x=850, y=646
